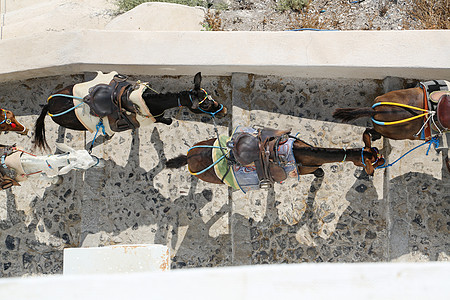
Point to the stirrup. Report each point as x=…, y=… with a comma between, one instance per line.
x=443, y=142
x=265, y=184
x=123, y=124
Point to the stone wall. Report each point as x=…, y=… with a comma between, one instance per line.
x=399, y=214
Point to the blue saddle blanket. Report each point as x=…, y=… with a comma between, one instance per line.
x=246, y=176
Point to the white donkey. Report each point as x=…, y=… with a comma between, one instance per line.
x=50, y=166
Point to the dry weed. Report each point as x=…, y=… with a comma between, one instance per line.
x=212, y=22
x=432, y=14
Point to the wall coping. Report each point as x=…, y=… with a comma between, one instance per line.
x=308, y=280
x=329, y=54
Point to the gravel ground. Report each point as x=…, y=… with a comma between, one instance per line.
x=263, y=15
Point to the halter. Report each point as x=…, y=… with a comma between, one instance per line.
x=6, y=120
x=378, y=156
x=213, y=114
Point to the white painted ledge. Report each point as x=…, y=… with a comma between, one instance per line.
x=332, y=54
x=301, y=281
x=116, y=259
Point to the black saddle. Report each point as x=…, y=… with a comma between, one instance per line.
x=262, y=151
x=112, y=101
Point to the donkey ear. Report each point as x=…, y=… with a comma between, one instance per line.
x=368, y=167
x=197, y=80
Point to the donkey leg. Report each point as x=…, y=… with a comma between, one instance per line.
x=373, y=134
x=164, y=120
x=319, y=173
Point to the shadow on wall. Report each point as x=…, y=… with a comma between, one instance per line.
x=420, y=210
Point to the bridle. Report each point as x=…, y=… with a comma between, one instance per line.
x=377, y=155
x=213, y=114
x=9, y=122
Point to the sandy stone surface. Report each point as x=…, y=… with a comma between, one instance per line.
x=401, y=214
x=346, y=216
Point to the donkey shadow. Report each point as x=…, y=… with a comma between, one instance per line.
x=420, y=214
x=111, y=205
x=131, y=203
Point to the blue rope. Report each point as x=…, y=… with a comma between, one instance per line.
x=210, y=113
x=64, y=95
x=212, y=165
x=312, y=29
x=6, y=118
x=98, y=126
x=434, y=140
x=70, y=109
x=362, y=156
x=215, y=163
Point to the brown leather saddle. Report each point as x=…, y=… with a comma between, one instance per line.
x=112, y=101
x=5, y=181
x=443, y=111
x=262, y=151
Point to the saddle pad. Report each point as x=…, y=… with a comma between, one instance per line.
x=12, y=161
x=221, y=168
x=145, y=117
x=83, y=112
x=246, y=177
x=433, y=89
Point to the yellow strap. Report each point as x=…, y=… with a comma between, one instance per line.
x=405, y=120
x=402, y=105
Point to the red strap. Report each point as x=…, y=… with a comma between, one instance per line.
x=427, y=129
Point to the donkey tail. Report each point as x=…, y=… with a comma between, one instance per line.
x=177, y=162
x=349, y=114
x=39, y=130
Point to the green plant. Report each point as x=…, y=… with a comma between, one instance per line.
x=126, y=5
x=296, y=5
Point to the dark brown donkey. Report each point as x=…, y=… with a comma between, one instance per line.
x=409, y=120
x=61, y=107
x=308, y=159
x=8, y=122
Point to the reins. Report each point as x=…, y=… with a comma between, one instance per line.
x=434, y=140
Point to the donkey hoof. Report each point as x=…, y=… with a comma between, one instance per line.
x=319, y=173
x=59, y=180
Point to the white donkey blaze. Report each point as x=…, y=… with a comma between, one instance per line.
x=54, y=165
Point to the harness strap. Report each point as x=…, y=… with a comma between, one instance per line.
x=401, y=105
x=427, y=129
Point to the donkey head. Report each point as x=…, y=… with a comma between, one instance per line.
x=371, y=158
x=202, y=102
x=8, y=122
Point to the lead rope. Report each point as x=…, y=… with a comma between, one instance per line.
x=434, y=140
x=98, y=127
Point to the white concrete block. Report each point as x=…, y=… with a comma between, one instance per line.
x=116, y=259
x=160, y=17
